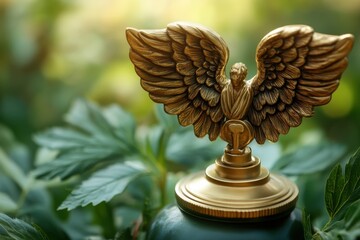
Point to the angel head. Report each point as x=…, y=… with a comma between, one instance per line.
x=238, y=74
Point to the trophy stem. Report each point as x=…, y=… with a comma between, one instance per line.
x=238, y=166
x=236, y=187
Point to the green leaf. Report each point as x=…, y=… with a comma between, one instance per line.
x=154, y=142
x=346, y=228
x=80, y=224
x=6, y=203
x=168, y=121
x=104, y=184
x=76, y=161
x=45, y=220
x=352, y=217
x=17, y=229
x=309, y=159
x=94, y=136
x=171, y=180
x=334, y=185
x=62, y=139
x=9, y=168
x=268, y=153
x=343, y=190
x=7, y=137
x=342, y=194
x=307, y=225
x=186, y=149
x=9, y=187
x=88, y=117
x=17, y=152
x=179, y=144
x=121, y=122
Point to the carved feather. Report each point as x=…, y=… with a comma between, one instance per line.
x=182, y=67
x=307, y=68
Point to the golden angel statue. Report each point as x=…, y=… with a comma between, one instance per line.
x=183, y=67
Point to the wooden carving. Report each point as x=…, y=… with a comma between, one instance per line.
x=183, y=67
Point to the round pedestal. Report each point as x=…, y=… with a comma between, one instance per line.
x=211, y=195
x=171, y=223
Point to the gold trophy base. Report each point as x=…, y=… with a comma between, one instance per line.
x=219, y=194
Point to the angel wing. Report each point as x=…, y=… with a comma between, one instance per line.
x=182, y=67
x=298, y=69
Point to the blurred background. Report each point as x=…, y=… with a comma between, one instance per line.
x=55, y=51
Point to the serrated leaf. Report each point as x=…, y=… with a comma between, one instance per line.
x=17, y=229
x=104, y=185
x=342, y=194
x=6, y=203
x=334, y=185
x=88, y=117
x=346, y=228
x=76, y=161
x=62, y=139
x=343, y=190
x=309, y=159
x=352, y=178
x=121, y=122
x=95, y=135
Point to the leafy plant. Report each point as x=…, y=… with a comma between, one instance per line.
x=17, y=229
x=309, y=159
x=128, y=173
x=342, y=198
x=109, y=159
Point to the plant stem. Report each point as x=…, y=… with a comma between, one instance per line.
x=163, y=166
x=163, y=189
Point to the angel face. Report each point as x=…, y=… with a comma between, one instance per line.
x=238, y=74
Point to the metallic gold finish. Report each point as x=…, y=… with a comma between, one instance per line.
x=236, y=191
x=183, y=67
x=213, y=175
x=238, y=134
x=225, y=170
x=195, y=194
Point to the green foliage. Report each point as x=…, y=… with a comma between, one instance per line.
x=342, y=199
x=116, y=161
x=307, y=225
x=309, y=159
x=96, y=136
x=6, y=203
x=11, y=169
x=343, y=190
x=103, y=157
x=104, y=184
x=16, y=229
x=44, y=65
x=26, y=198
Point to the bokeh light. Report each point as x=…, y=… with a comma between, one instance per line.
x=55, y=51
